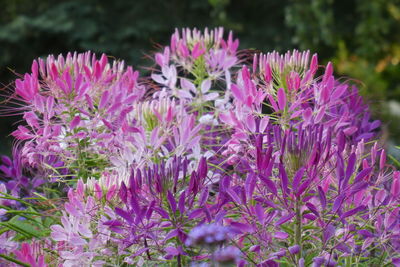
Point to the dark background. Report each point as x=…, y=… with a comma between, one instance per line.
x=362, y=38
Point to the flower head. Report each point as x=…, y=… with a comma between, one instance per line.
x=208, y=235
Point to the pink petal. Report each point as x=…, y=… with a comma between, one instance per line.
x=281, y=98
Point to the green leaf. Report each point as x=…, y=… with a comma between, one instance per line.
x=395, y=161
x=14, y=260
x=27, y=224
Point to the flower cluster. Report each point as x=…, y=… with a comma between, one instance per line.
x=221, y=157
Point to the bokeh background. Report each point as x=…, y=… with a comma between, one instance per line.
x=362, y=38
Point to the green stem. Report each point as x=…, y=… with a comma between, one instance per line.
x=147, y=251
x=179, y=261
x=14, y=260
x=297, y=230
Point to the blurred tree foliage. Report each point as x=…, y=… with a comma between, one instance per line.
x=361, y=37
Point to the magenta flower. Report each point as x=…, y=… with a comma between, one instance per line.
x=31, y=254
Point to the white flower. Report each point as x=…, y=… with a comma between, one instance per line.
x=208, y=119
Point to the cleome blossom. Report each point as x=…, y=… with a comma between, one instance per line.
x=220, y=157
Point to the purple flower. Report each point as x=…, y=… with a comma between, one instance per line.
x=208, y=235
x=227, y=255
x=7, y=245
x=294, y=249
x=318, y=261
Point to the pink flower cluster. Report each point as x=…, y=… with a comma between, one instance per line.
x=213, y=160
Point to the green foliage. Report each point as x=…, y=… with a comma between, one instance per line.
x=27, y=223
x=395, y=161
x=120, y=28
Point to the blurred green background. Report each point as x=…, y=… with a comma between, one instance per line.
x=361, y=37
